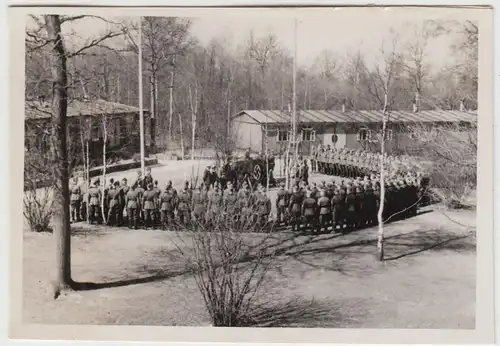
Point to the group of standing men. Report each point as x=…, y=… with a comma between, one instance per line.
x=352, y=204
x=352, y=163
x=144, y=204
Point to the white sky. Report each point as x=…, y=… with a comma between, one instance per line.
x=340, y=31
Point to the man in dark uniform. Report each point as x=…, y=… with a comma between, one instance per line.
x=140, y=190
x=94, y=202
x=281, y=204
x=184, y=204
x=230, y=199
x=214, y=204
x=263, y=208
x=113, y=204
x=167, y=204
x=156, y=213
x=133, y=205
x=75, y=200
x=309, y=211
x=350, y=204
x=295, y=208
x=139, y=179
x=149, y=206
x=124, y=188
x=148, y=179
x=360, y=212
x=324, y=207
x=369, y=204
x=199, y=203
x=206, y=176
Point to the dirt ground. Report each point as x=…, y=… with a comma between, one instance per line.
x=427, y=281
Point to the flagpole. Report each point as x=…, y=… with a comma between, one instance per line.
x=294, y=106
x=141, y=110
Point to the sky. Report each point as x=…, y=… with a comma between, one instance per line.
x=340, y=31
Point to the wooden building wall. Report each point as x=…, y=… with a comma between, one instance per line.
x=249, y=133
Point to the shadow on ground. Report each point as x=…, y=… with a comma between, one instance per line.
x=295, y=313
x=344, y=253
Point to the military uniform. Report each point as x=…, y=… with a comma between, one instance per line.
x=183, y=206
x=350, y=203
x=309, y=212
x=324, y=206
x=124, y=189
x=167, y=207
x=149, y=206
x=214, y=204
x=199, y=201
x=114, y=206
x=133, y=205
x=94, y=201
x=281, y=204
x=295, y=209
x=140, y=190
x=75, y=202
x=263, y=208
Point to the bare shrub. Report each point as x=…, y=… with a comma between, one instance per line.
x=230, y=264
x=451, y=151
x=38, y=209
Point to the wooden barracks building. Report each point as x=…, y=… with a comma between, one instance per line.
x=122, y=127
x=339, y=129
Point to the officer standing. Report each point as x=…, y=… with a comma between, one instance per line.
x=149, y=205
x=295, y=208
x=167, y=206
x=94, y=198
x=184, y=203
x=309, y=211
x=324, y=206
x=199, y=202
x=263, y=207
x=350, y=201
x=75, y=200
x=113, y=204
x=281, y=204
x=124, y=189
x=133, y=205
x=140, y=190
x=214, y=203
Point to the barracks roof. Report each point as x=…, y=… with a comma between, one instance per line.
x=359, y=116
x=42, y=110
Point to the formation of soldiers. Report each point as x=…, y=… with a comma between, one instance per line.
x=143, y=204
x=350, y=205
x=352, y=163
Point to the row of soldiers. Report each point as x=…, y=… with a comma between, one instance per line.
x=352, y=204
x=353, y=163
x=143, y=203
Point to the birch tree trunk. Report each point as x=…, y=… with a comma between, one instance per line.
x=59, y=155
x=104, y=164
x=87, y=178
x=171, y=99
x=182, y=136
x=380, y=214
x=194, y=110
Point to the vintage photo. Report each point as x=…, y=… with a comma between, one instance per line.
x=283, y=168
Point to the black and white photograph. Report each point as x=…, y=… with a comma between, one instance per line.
x=272, y=168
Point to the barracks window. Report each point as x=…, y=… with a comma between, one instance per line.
x=389, y=135
x=308, y=134
x=283, y=135
x=364, y=134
